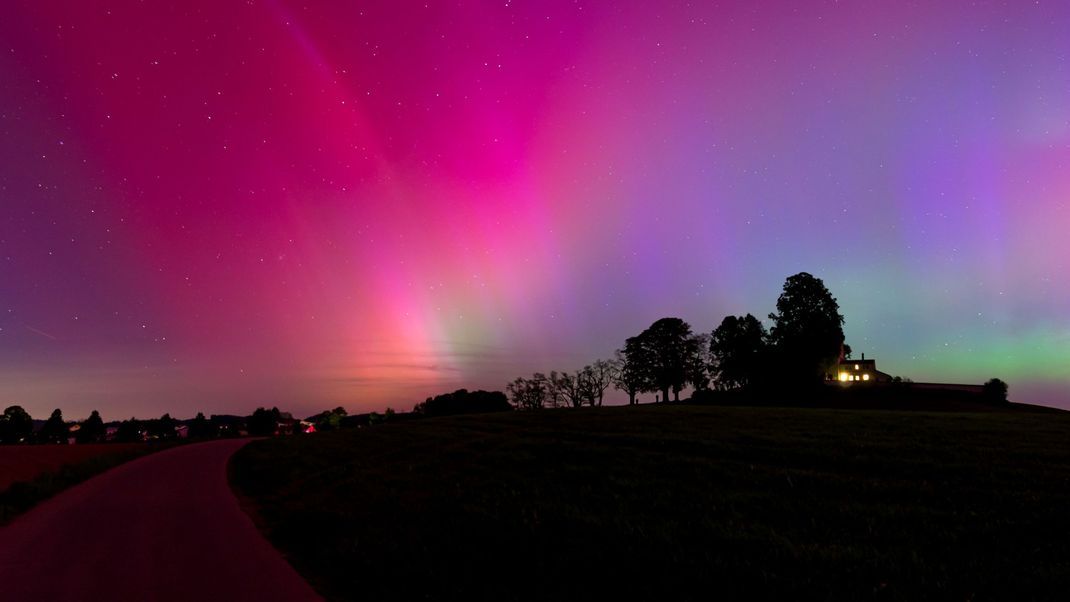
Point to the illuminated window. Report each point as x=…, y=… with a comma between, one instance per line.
x=865, y=377
x=843, y=377
x=856, y=366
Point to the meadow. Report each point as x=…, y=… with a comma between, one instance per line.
x=674, y=502
x=32, y=473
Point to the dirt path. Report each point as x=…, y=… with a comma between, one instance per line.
x=162, y=527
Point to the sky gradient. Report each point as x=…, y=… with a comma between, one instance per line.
x=219, y=205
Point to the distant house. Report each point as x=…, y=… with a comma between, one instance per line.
x=285, y=424
x=858, y=371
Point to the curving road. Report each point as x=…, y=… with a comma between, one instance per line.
x=162, y=527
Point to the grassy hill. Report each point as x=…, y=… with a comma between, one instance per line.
x=675, y=503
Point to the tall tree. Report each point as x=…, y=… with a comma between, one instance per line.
x=200, y=428
x=669, y=352
x=555, y=396
x=16, y=425
x=92, y=430
x=264, y=422
x=528, y=393
x=597, y=378
x=698, y=362
x=569, y=387
x=54, y=429
x=631, y=374
x=736, y=350
x=807, y=329
x=130, y=431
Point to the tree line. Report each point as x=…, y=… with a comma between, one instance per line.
x=17, y=426
x=798, y=352
x=803, y=344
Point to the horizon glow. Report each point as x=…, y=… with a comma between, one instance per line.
x=215, y=206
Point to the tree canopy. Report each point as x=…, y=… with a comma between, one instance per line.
x=329, y=420
x=667, y=353
x=92, y=429
x=529, y=393
x=630, y=376
x=263, y=422
x=463, y=401
x=807, y=329
x=16, y=425
x=201, y=428
x=995, y=391
x=737, y=348
x=54, y=429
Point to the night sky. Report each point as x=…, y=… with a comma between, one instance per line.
x=219, y=205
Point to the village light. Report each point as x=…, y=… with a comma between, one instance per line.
x=843, y=377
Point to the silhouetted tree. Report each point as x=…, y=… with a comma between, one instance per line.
x=995, y=391
x=130, y=431
x=596, y=379
x=92, y=429
x=264, y=422
x=737, y=348
x=567, y=388
x=807, y=329
x=668, y=351
x=631, y=374
x=698, y=361
x=555, y=395
x=16, y=425
x=160, y=428
x=462, y=401
x=54, y=429
x=225, y=425
x=528, y=393
x=200, y=428
x=329, y=420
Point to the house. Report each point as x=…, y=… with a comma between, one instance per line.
x=285, y=424
x=860, y=370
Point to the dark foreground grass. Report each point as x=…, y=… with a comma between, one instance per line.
x=20, y=496
x=675, y=503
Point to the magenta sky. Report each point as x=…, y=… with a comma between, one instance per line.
x=219, y=205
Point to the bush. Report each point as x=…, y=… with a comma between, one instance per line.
x=995, y=391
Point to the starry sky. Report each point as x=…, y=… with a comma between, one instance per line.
x=215, y=205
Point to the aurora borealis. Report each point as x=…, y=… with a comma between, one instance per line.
x=218, y=205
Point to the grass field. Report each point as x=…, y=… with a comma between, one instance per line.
x=26, y=462
x=675, y=503
x=32, y=473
